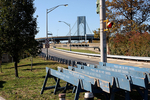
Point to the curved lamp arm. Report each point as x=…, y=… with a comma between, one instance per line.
x=65, y=23
x=51, y=9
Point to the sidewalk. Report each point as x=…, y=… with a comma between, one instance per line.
x=1, y=98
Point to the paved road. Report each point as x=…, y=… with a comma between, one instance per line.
x=71, y=56
x=95, y=60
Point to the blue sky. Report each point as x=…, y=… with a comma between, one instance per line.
x=68, y=14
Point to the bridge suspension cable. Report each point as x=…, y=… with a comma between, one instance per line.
x=71, y=29
x=81, y=31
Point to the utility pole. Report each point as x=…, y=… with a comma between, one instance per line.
x=102, y=32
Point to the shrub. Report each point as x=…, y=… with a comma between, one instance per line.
x=131, y=44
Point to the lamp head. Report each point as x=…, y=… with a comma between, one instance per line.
x=66, y=5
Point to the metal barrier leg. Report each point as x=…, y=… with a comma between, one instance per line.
x=74, y=89
x=146, y=89
x=139, y=91
x=112, y=95
x=78, y=91
x=45, y=81
x=145, y=94
x=106, y=96
x=46, y=77
x=127, y=95
x=66, y=87
x=57, y=85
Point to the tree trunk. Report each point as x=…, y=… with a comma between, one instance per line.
x=1, y=67
x=0, y=64
x=16, y=69
x=31, y=62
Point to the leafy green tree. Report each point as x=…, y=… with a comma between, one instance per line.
x=18, y=27
x=129, y=15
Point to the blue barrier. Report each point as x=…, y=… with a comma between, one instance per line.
x=82, y=82
x=128, y=70
x=102, y=78
x=104, y=85
x=121, y=82
x=140, y=81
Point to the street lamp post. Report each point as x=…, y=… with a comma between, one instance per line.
x=51, y=37
x=69, y=31
x=48, y=11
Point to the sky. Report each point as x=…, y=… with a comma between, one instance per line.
x=67, y=14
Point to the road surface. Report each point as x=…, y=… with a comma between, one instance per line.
x=94, y=60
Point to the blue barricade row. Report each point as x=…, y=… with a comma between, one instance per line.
x=135, y=71
x=81, y=81
x=104, y=85
x=135, y=80
x=102, y=78
x=121, y=82
x=127, y=70
x=136, y=77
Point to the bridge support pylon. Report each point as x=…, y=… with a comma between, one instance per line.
x=80, y=20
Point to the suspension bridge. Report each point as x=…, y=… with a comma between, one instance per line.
x=79, y=32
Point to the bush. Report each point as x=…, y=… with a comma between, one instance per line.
x=130, y=44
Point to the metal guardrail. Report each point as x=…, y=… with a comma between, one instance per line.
x=62, y=60
x=110, y=56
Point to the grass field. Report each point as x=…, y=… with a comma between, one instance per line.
x=80, y=50
x=28, y=85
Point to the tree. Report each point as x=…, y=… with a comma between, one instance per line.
x=1, y=51
x=130, y=44
x=2, y=45
x=18, y=27
x=129, y=15
x=33, y=51
x=97, y=34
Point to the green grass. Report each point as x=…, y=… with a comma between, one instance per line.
x=28, y=85
x=79, y=50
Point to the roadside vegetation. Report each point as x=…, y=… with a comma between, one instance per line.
x=130, y=34
x=79, y=50
x=130, y=44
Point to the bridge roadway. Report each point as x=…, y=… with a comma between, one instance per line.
x=94, y=60
x=62, y=38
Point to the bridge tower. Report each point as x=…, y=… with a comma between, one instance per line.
x=80, y=20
